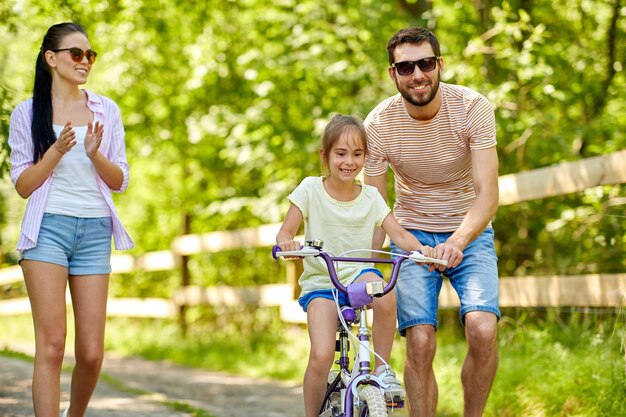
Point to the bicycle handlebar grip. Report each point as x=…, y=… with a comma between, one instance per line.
x=275, y=250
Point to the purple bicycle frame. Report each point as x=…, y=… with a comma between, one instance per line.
x=329, y=259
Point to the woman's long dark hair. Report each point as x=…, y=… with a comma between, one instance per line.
x=41, y=127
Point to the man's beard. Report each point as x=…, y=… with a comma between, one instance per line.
x=417, y=101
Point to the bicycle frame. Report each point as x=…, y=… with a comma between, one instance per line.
x=349, y=380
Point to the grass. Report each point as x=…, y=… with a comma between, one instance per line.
x=552, y=363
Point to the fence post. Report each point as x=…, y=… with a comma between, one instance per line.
x=185, y=277
x=294, y=270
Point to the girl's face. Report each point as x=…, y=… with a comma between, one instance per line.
x=347, y=156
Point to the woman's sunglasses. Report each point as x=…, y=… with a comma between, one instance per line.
x=78, y=54
x=424, y=64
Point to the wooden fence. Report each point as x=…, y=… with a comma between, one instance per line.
x=599, y=290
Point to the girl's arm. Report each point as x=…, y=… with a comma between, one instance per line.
x=289, y=228
x=403, y=239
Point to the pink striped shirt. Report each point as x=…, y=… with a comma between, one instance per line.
x=112, y=147
x=431, y=160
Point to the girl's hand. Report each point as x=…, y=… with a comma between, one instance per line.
x=290, y=245
x=66, y=140
x=427, y=251
x=93, y=139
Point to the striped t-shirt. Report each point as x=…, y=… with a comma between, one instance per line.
x=431, y=159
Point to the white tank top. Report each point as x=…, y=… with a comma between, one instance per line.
x=74, y=190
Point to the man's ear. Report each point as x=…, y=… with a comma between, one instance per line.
x=392, y=73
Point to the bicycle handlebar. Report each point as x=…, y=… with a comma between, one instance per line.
x=311, y=251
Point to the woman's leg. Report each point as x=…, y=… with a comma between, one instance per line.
x=322, y=325
x=46, y=284
x=89, y=299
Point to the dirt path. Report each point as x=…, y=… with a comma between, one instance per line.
x=145, y=388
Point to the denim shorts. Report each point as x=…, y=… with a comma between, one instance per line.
x=343, y=297
x=83, y=245
x=475, y=280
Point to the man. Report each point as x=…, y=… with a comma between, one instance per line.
x=439, y=140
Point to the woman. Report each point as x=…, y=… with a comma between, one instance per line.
x=67, y=155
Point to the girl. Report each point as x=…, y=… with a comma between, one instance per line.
x=66, y=163
x=343, y=213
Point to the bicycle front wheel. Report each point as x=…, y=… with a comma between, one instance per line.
x=374, y=401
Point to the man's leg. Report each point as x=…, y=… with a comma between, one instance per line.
x=417, y=292
x=481, y=362
x=419, y=376
x=476, y=282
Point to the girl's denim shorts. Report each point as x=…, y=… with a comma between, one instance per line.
x=83, y=245
x=475, y=281
x=342, y=297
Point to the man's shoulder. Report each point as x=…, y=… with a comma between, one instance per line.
x=385, y=108
x=461, y=93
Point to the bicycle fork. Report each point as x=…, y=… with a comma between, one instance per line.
x=362, y=373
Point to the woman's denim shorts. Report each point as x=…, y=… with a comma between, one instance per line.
x=475, y=280
x=83, y=245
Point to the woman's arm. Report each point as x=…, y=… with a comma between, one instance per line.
x=34, y=176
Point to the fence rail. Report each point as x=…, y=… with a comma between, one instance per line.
x=606, y=290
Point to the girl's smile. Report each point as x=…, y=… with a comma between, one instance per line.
x=346, y=157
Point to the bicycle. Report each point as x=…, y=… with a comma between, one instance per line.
x=356, y=391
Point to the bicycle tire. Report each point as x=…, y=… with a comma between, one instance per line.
x=374, y=401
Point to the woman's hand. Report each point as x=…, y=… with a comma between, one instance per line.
x=93, y=139
x=66, y=140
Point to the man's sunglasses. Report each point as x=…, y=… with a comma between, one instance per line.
x=78, y=54
x=408, y=67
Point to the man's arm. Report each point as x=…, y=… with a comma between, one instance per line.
x=485, y=178
x=380, y=182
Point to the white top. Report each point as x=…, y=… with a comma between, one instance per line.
x=74, y=190
x=342, y=225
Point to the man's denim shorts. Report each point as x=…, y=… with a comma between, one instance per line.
x=475, y=281
x=343, y=298
x=83, y=245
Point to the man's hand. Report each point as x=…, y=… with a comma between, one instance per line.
x=448, y=251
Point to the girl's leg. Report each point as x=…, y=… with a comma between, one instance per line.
x=46, y=283
x=384, y=323
x=89, y=299
x=322, y=325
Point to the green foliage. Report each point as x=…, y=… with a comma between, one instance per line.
x=224, y=103
x=252, y=342
x=561, y=363
x=552, y=363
